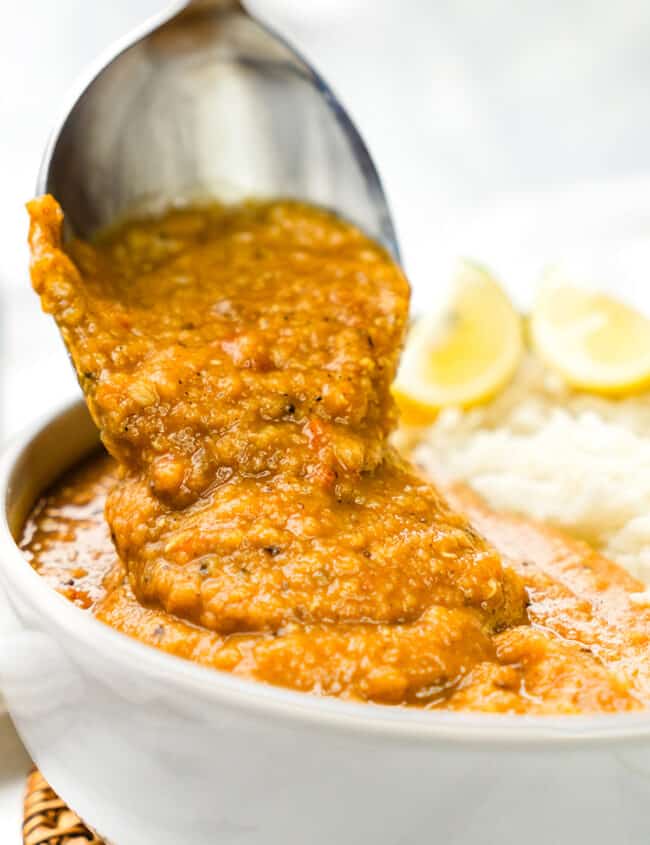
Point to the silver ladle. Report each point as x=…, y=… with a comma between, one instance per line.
x=205, y=102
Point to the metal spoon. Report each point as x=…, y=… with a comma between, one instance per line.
x=208, y=102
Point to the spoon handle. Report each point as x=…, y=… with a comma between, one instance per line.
x=202, y=5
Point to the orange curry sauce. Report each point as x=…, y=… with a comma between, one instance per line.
x=238, y=362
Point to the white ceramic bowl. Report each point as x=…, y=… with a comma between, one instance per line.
x=151, y=749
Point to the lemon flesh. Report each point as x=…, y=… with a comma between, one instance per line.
x=462, y=354
x=594, y=341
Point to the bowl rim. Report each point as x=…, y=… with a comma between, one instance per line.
x=463, y=729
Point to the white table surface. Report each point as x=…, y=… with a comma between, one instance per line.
x=14, y=765
x=509, y=132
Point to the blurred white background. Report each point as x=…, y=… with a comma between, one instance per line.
x=494, y=126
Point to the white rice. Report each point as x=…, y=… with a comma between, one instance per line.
x=577, y=461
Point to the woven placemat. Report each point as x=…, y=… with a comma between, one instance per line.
x=48, y=821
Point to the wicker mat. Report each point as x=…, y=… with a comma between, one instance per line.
x=48, y=821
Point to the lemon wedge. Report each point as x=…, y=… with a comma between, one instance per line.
x=594, y=341
x=462, y=354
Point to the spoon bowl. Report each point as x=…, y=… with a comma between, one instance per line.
x=206, y=103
